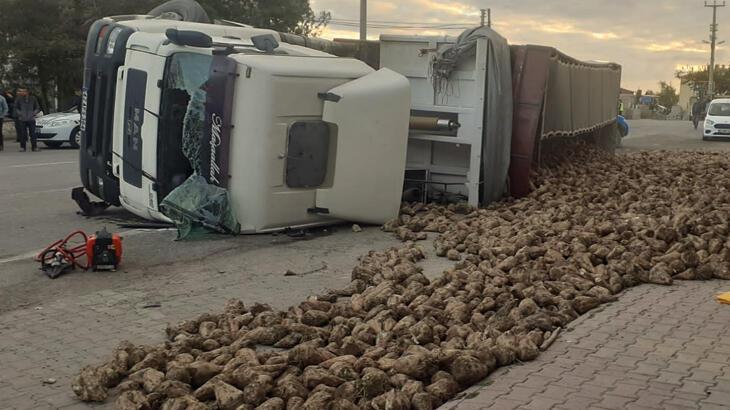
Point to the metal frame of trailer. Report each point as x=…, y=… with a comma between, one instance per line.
x=448, y=160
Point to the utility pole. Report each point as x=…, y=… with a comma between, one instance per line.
x=713, y=44
x=363, y=20
x=486, y=17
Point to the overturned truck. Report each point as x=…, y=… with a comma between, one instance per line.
x=245, y=130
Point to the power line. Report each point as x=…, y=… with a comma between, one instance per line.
x=399, y=22
x=397, y=25
x=405, y=27
x=401, y=25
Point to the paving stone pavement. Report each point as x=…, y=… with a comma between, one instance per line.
x=657, y=347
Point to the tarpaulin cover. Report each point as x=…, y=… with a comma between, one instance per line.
x=198, y=203
x=498, y=105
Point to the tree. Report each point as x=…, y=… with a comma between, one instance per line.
x=698, y=80
x=667, y=95
x=291, y=16
x=42, y=42
x=42, y=45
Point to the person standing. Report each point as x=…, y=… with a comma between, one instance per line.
x=3, y=112
x=697, y=108
x=26, y=109
x=10, y=99
x=75, y=102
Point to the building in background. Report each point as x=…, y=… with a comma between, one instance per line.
x=687, y=98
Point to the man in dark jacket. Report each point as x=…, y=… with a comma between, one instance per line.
x=10, y=99
x=3, y=112
x=26, y=109
x=75, y=102
x=697, y=110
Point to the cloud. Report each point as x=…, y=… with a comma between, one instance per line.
x=675, y=46
x=648, y=38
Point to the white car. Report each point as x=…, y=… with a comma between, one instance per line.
x=717, y=122
x=56, y=129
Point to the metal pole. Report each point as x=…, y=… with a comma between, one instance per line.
x=713, y=44
x=489, y=17
x=483, y=17
x=363, y=20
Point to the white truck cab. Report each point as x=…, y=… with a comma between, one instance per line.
x=296, y=136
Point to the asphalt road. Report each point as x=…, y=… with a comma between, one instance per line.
x=669, y=135
x=36, y=209
x=35, y=199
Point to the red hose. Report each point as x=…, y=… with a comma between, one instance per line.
x=71, y=255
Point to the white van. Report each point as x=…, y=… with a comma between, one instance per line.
x=717, y=122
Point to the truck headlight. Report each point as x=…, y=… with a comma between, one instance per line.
x=709, y=123
x=113, y=36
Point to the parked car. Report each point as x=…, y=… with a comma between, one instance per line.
x=62, y=127
x=717, y=122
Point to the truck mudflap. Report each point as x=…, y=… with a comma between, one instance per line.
x=371, y=115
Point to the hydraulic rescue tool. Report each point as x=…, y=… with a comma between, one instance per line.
x=101, y=251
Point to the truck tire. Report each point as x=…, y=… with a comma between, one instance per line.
x=187, y=10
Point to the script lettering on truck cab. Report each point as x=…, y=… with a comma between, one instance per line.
x=215, y=143
x=216, y=140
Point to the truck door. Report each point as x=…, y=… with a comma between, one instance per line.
x=135, y=147
x=371, y=115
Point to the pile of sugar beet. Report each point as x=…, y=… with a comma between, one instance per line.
x=393, y=339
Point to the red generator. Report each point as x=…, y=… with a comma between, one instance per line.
x=104, y=250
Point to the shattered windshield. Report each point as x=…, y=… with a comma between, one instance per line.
x=185, y=82
x=188, y=199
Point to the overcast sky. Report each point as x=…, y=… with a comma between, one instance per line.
x=649, y=38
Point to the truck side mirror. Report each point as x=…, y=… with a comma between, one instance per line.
x=189, y=38
x=265, y=42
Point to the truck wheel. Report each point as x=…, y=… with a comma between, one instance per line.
x=75, y=140
x=188, y=10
